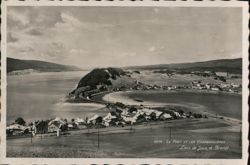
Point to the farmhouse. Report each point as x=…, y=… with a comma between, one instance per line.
x=57, y=124
x=92, y=120
x=108, y=119
x=16, y=129
x=165, y=116
x=130, y=120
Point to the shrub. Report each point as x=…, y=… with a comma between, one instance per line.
x=197, y=115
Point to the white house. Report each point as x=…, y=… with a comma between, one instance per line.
x=16, y=127
x=56, y=124
x=158, y=114
x=215, y=89
x=165, y=116
x=177, y=114
x=92, y=119
x=129, y=120
x=107, y=119
x=223, y=74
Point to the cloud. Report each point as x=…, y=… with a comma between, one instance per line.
x=78, y=51
x=152, y=49
x=27, y=49
x=56, y=50
x=22, y=17
x=127, y=54
x=66, y=18
x=17, y=19
x=35, y=32
x=10, y=38
x=45, y=17
x=94, y=36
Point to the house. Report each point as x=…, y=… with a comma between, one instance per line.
x=54, y=128
x=72, y=125
x=141, y=118
x=108, y=119
x=57, y=124
x=129, y=120
x=147, y=111
x=235, y=85
x=79, y=121
x=215, y=89
x=165, y=116
x=224, y=85
x=109, y=116
x=222, y=74
x=177, y=114
x=92, y=120
x=16, y=129
x=124, y=112
x=158, y=114
x=208, y=86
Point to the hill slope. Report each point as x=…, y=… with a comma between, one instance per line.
x=100, y=76
x=16, y=65
x=108, y=77
x=222, y=65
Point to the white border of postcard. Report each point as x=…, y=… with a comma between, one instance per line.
x=245, y=90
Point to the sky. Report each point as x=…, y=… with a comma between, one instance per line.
x=90, y=37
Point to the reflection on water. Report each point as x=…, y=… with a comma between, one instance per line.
x=40, y=96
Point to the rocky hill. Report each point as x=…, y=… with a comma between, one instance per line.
x=104, y=77
x=100, y=76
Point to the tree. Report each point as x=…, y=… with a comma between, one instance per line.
x=20, y=121
x=99, y=120
x=132, y=109
x=42, y=127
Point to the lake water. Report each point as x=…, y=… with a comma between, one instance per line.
x=222, y=104
x=41, y=96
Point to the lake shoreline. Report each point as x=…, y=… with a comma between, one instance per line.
x=124, y=97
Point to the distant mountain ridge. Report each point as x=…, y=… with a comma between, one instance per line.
x=41, y=66
x=221, y=65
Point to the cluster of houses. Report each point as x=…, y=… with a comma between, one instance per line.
x=48, y=126
x=225, y=87
x=119, y=115
x=129, y=115
x=196, y=84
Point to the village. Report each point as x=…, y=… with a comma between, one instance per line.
x=219, y=83
x=119, y=115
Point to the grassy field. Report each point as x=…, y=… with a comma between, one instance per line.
x=155, y=140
